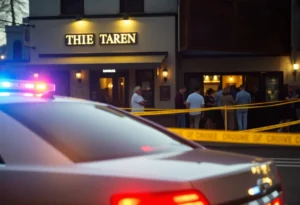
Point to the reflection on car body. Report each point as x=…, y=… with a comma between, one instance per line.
x=66, y=151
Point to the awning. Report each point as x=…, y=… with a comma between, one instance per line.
x=148, y=60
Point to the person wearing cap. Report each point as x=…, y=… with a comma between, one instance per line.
x=137, y=101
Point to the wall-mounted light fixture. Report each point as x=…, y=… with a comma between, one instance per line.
x=78, y=18
x=78, y=76
x=2, y=57
x=126, y=17
x=295, y=69
x=165, y=74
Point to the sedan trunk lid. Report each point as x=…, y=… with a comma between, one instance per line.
x=224, y=178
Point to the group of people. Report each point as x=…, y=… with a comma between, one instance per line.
x=289, y=112
x=214, y=118
x=236, y=119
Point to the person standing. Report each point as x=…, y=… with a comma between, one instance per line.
x=194, y=101
x=180, y=104
x=218, y=95
x=137, y=101
x=227, y=100
x=210, y=115
x=242, y=98
x=219, y=118
x=233, y=91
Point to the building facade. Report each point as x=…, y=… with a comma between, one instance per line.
x=115, y=45
x=235, y=42
x=90, y=47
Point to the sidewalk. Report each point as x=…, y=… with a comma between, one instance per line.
x=164, y=120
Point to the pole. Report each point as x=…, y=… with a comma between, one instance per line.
x=225, y=117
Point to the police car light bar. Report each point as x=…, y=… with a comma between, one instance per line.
x=26, y=86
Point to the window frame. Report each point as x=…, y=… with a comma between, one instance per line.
x=17, y=50
x=68, y=14
x=43, y=134
x=139, y=80
x=124, y=7
x=2, y=136
x=2, y=162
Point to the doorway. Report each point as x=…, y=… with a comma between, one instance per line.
x=232, y=80
x=111, y=88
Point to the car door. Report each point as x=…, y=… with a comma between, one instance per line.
x=3, y=166
x=26, y=156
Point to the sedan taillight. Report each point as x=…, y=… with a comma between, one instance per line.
x=191, y=197
x=277, y=201
x=283, y=195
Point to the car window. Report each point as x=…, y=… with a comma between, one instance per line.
x=1, y=160
x=90, y=132
x=2, y=135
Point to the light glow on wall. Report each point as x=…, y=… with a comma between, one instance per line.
x=128, y=25
x=82, y=26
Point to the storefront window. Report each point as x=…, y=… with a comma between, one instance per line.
x=106, y=86
x=131, y=6
x=211, y=81
x=72, y=7
x=192, y=80
x=145, y=79
x=272, y=88
x=17, y=50
x=228, y=80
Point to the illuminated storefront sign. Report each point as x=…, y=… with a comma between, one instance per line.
x=117, y=38
x=80, y=39
x=104, y=39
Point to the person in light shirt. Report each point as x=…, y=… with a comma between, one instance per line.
x=195, y=100
x=137, y=101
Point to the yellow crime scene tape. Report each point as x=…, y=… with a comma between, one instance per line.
x=252, y=104
x=233, y=137
x=251, y=136
x=271, y=127
x=234, y=107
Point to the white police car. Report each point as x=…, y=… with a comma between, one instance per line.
x=62, y=151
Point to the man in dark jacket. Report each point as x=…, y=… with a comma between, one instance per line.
x=180, y=104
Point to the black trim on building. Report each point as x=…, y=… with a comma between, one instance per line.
x=214, y=54
x=63, y=17
x=132, y=6
x=77, y=6
x=102, y=54
x=176, y=52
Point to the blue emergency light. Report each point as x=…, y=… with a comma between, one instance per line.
x=7, y=86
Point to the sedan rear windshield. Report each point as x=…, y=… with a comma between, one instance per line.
x=90, y=132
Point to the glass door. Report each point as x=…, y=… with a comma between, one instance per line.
x=272, y=83
x=145, y=79
x=121, y=91
x=111, y=88
x=254, y=86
